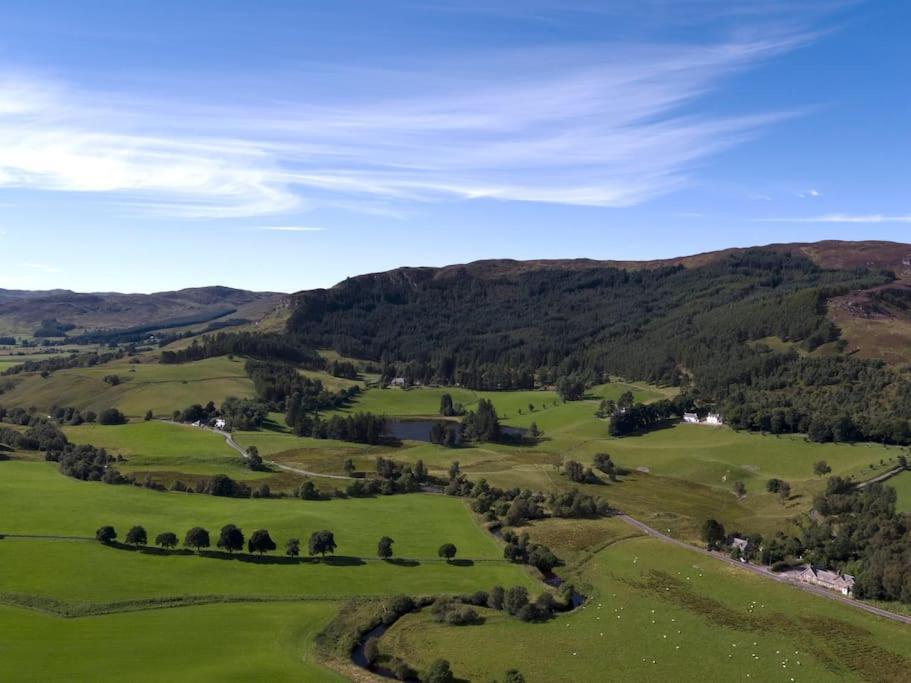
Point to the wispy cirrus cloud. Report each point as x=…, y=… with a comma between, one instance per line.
x=597, y=126
x=43, y=267
x=841, y=218
x=288, y=228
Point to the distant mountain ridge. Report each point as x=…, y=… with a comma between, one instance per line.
x=22, y=312
x=835, y=254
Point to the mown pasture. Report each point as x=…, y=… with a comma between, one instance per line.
x=159, y=446
x=418, y=523
x=212, y=642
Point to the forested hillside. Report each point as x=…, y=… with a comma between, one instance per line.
x=699, y=327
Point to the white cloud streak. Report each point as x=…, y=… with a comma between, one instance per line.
x=841, y=218
x=595, y=126
x=43, y=267
x=289, y=228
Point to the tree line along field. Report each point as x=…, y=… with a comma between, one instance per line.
x=659, y=612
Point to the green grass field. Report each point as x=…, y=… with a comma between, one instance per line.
x=145, y=386
x=253, y=642
x=157, y=446
x=265, y=613
x=902, y=486
x=74, y=508
x=425, y=401
x=661, y=613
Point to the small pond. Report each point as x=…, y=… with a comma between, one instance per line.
x=419, y=430
x=416, y=429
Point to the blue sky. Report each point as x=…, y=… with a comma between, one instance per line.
x=281, y=146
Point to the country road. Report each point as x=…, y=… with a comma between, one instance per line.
x=766, y=573
x=307, y=473
x=237, y=447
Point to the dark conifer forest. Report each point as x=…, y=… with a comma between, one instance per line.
x=701, y=328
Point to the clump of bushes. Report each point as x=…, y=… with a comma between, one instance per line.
x=452, y=612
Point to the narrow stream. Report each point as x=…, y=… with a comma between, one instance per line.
x=359, y=657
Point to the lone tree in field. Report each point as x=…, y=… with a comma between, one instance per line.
x=196, y=538
x=260, y=542
x=447, y=551
x=321, y=542
x=454, y=470
x=439, y=672
x=348, y=466
x=149, y=415
x=384, y=548
x=168, y=539
x=513, y=676
x=137, y=536
x=821, y=468
x=231, y=538
x=740, y=489
x=106, y=534
x=254, y=459
x=784, y=491
x=713, y=534
x=293, y=547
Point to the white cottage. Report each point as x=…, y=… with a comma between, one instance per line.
x=691, y=418
x=843, y=583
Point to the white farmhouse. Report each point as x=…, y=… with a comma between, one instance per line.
x=691, y=418
x=713, y=419
x=843, y=583
x=742, y=545
x=220, y=423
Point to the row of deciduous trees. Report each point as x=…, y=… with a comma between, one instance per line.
x=230, y=539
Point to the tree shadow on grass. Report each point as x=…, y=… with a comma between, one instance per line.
x=342, y=561
x=149, y=549
x=657, y=427
x=461, y=563
x=252, y=559
x=402, y=562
